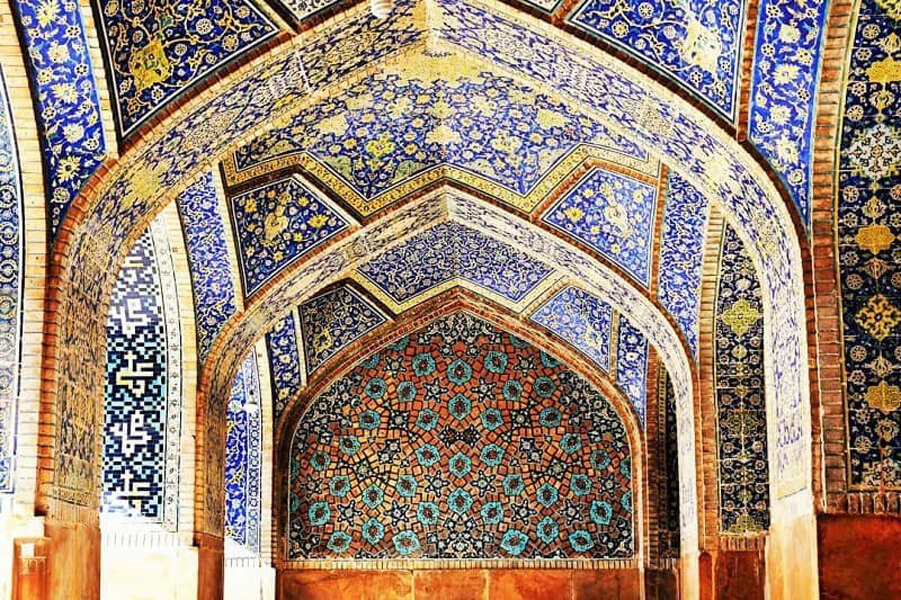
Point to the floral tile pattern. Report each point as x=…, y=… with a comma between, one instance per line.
x=284, y=363
x=244, y=459
x=869, y=244
x=743, y=468
x=450, y=251
x=581, y=319
x=11, y=274
x=668, y=465
x=696, y=43
x=682, y=255
x=783, y=90
x=276, y=224
x=67, y=104
x=460, y=441
x=632, y=365
x=211, y=271
x=333, y=320
x=614, y=215
x=486, y=130
x=156, y=50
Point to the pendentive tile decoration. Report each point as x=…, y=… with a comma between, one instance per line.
x=460, y=441
x=284, y=363
x=211, y=271
x=668, y=466
x=142, y=398
x=869, y=244
x=67, y=106
x=244, y=459
x=156, y=50
x=783, y=90
x=612, y=214
x=580, y=318
x=632, y=365
x=435, y=259
x=276, y=224
x=488, y=131
x=696, y=43
x=682, y=255
x=332, y=321
x=742, y=465
x=11, y=273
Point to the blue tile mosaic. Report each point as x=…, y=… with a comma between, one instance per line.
x=787, y=55
x=11, y=273
x=448, y=251
x=284, y=363
x=156, y=50
x=333, y=320
x=581, y=319
x=278, y=223
x=211, y=271
x=244, y=459
x=682, y=255
x=632, y=365
x=696, y=43
x=612, y=214
x=492, y=128
x=67, y=104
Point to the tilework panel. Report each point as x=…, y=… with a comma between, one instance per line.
x=284, y=363
x=157, y=49
x=612, y=214
x=668, y=465
x=696, y=43
x=869, y=243
x=744, y=484
x=332, y=321
x=783, y=90
x=244, y=459
x=682, y=255
x=142, y=406
x=211, y=271
x=460, y=441
x=278, y=223
x=632, y=365
x=67, y=107
x=498, y=134
x=11, y=252
x=450, y=250
x=581, y=319
x=720, y=172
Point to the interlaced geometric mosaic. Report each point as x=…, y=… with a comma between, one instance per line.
x=460, y=441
